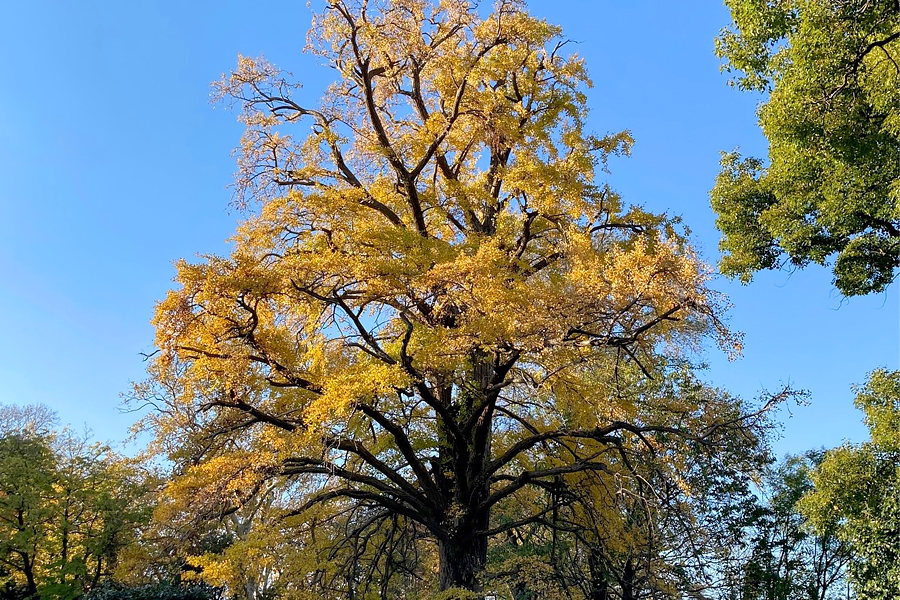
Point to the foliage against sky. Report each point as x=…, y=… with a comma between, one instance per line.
x=58, y=224
x=830, y=189
x=437, y=306
x=857, y=491
x=67, y=507
x=85, y=301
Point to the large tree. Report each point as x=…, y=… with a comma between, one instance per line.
x=436, y=308
x=830, y=75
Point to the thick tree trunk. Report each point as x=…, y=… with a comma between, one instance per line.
x=463, y=553
x=462, y=541
x=462, y=558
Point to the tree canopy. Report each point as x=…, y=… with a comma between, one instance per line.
x=437, y=313
x=443, y=359
x=857, y=491
x=830, y=187
x=66, y=508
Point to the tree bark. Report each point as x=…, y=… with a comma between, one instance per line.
x=31, y=590
x=599, y=577
x=628, y=577
x=462, y=541
x=462, y=558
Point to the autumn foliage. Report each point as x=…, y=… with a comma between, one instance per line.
x=437, y=309
x=443, y=359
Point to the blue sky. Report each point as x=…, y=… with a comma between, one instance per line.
x=113, y=164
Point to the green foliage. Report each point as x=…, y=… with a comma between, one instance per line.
x=66, y=508
x=857, y=492
x=649, y=529
x=26, y=466
x=832, y=118
x=786, y=560
x=158, y=591
x=11, y=590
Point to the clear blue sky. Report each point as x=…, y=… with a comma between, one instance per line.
x=113, y=164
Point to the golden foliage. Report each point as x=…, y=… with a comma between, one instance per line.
x=433, y=283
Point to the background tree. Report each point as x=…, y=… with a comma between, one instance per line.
x=162, y=557
x=240, y=551
x=434, y=291
x=159, y=591
x=26, y=467
x=66, y=507
x=857, y=492
x=831, y=185
x=657, y=528
x=32, y=420
x=782, y=557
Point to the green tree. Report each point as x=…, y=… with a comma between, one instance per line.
x=27, y=466
x=832, y=118
x=857, y=492
x=158, y=591
x=67, y=506
x=654, y=528
x=785, y=559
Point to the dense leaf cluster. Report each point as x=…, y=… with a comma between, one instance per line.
x=830, y=72
x=67, y=507
x=159, y=591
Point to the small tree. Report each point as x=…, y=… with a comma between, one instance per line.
x=66, y=507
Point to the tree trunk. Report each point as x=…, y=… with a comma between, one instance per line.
x=462, y=559
x=250, y=588
x=31, y=590
x=97, y=572
x=599, y=577
x=628, y=576
x=64, y=552
x=462, y=541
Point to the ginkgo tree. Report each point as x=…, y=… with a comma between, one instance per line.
x=435, y=305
